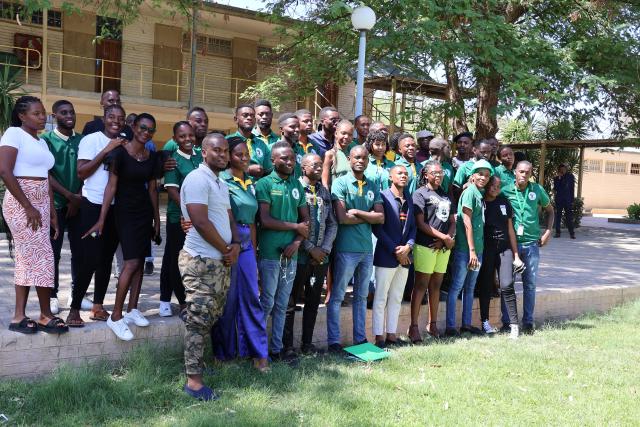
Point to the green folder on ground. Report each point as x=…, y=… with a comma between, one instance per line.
x=367, y=352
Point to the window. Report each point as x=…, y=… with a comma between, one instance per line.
x=54, y=18
x=206, y=45
x=615, y=167
x=635, y=169
x=8, y=10
x=591, y=165
x=217, y=46
x=109, y=28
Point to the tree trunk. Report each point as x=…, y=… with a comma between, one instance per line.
x=457, y=113
x=486, y=111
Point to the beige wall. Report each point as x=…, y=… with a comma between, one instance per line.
x=603, y=190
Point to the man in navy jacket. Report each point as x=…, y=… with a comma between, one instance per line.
x=392, y=255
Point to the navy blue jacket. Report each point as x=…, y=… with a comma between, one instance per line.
x=390, y=234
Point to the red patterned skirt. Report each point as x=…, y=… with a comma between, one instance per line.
x=33, y=253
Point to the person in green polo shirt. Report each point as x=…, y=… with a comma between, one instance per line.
x=526, y=198
x=505, y=170
x=407, y=149
x=290, y=130
x=264, y=119
x=199, y=121
x=245, y=119
x=358, y=205
x=284, y=217
x=63, y=143
x=187, y=160
x=377, y=144
x=468, y=248
x=482, y=149
x=438, y=149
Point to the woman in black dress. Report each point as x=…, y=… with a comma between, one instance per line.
x=133, y=171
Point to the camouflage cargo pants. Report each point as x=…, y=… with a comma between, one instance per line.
x=206, y=282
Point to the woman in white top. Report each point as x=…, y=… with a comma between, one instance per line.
x=28, y=209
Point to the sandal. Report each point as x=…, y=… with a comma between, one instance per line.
x=54, y=326
x=75, y=322
x=100, y=315
x=25, y=326
x=433, y=330
x=414, y=334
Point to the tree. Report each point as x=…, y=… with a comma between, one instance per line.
x=558, y=57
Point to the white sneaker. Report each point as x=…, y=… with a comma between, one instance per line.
x=487, y=328
x=136, y=317
x=165, y=309
x=515, y=331
x=85, y=305
x=54, y=305
x=120, y=328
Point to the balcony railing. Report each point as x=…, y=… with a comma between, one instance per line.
x=8, y=52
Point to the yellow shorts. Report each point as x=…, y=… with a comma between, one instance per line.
x=428, y=261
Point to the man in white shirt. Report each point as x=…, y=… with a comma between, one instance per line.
x=210, y=248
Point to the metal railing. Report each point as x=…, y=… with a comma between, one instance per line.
x=27, y=52
x=137, y=75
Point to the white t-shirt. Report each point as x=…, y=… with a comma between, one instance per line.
x=203, y=187
x=90, y=146
x=34, y=158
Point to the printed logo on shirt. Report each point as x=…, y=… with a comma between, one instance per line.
x=503, y=209
x=370, y=195
x=253, y=189
x=295, y=193
x=532, y=196
x=443, y=209
x=448, y=173
x=259, y=153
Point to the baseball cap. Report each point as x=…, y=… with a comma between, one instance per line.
x=482, y=164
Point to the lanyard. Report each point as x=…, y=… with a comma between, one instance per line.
x=313, y=191
x=361, y=185
x=249, y=142
x=522, y=201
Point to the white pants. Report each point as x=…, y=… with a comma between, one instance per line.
x=390, y=283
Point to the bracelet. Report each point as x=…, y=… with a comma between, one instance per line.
x=234, y=242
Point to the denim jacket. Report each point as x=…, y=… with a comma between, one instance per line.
x=325, y=233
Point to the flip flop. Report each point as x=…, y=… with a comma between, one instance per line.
x=75, y=323
x=54, y=326
x=205, y=393
x=23, y=326
x=100, y=316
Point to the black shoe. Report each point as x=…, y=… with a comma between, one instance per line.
x=557, y=235
x=361, y=342
x=504, y=329
x=275, y=357
x=451, y=332
x=335, y=348
x=309, y=349
x=148, y=268
x=381, y=344
x=527, y=329
x=471, y=329
x=573, y=237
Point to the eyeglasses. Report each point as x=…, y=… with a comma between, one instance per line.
x=436, y=173
x=145, y=128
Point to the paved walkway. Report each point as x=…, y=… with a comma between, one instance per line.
x=599, y=256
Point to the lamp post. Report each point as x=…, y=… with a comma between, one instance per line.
x=363, y=19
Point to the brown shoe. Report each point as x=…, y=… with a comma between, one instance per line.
x=432, y=330
x=414, y=334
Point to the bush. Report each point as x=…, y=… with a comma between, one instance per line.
x=633, y=211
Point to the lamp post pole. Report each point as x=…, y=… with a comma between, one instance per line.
x=360, y=78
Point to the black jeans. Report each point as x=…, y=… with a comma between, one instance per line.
x=309, y=278
x=71, y=226
x=568, y=216
x=96, y=254
x=495, y=259
x=170, y=279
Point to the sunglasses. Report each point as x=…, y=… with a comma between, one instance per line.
x=145, y=128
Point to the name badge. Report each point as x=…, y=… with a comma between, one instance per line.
x=520, y=230
x=503, y=209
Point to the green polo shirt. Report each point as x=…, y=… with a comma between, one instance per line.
x=353, y=143
x=471, y=198
x=414, y=170
x=243, y=197
x=65, y=168
x=379, y=172
x=174, y=178
x=463, y=174
x=525, y=210
x=355, y=237
x=172, y=146
x=447, y=178
x=268, y=140
x=258, y=151
x=284, y=198
x=300, y=150
x=507, y=177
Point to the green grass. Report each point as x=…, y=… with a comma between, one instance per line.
x=584, y=372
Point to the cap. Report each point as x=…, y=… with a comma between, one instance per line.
x=424, y=134
x=482, y=164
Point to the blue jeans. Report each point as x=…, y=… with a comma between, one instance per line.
x=462, y=278
x=348, y=265
x=276, y=280
x=530, y=255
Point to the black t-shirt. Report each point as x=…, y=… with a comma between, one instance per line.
x=97, y=125
x=436, y=207
x=496, y=214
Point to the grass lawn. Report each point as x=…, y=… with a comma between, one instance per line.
x=584, y=372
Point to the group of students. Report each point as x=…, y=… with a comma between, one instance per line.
x=258, y=220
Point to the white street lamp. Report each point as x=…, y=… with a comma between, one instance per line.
x=363, y=19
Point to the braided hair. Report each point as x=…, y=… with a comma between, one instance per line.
x=425, y=171
x=20, y=107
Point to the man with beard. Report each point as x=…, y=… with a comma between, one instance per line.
x=245, y=118
x=109, y=97
x=424, y=137
x=324, y=139
x=407, y=151
x=199, y=121
x=63, y=143
x=264, y=118
x=362, y=124
x=290, y=131
x=463, y=143
x=284, y=217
